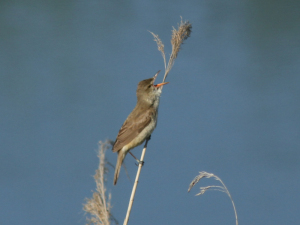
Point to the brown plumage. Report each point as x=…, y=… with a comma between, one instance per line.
x=141, y=121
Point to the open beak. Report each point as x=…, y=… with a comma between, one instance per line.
x=158, y=85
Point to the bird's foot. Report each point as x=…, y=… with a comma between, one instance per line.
x=140, y=162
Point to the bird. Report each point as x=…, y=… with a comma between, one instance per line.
x=141, y=121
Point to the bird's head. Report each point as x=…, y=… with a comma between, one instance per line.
x=148, y=91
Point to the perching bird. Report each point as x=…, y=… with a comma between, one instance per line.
x=141, y=121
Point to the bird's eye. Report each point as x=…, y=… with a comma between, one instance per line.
x=149, y=86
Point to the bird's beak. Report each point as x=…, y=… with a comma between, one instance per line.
x=158, y=85
x=161, y=84
x=155, y=75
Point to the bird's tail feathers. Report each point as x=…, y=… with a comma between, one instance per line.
x=121, y=156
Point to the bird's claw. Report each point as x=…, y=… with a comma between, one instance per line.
x=140, y=162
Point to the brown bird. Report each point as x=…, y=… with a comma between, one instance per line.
x=141, y=121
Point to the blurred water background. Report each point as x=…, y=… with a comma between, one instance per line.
x=68, y=75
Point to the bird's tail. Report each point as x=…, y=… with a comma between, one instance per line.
x=121, y=156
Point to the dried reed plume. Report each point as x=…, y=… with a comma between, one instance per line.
x=178, y=36
x=222, y=188
x=99, y=205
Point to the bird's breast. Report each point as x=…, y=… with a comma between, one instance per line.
x=141, y=137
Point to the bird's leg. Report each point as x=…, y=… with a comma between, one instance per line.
x=145, y=146
x=134, y=156
x=139, y=161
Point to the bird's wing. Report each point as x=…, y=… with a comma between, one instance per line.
x=131, y=128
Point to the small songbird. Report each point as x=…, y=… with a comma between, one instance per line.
x=141, y=121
